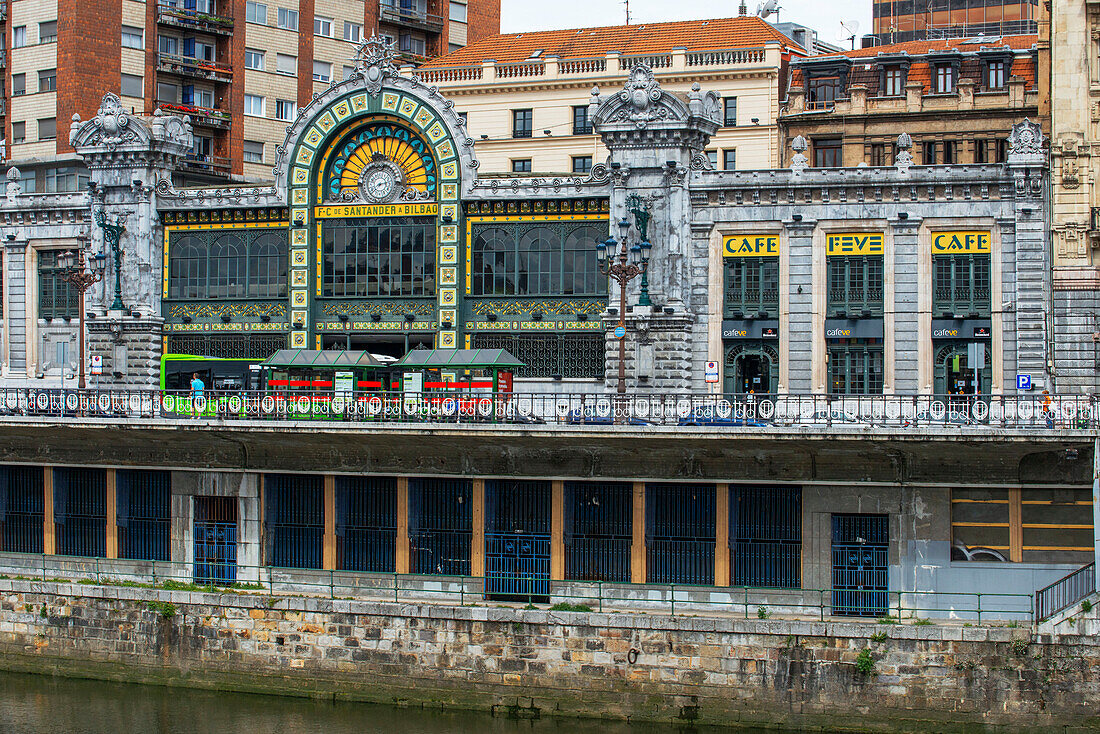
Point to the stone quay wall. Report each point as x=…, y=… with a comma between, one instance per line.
x=538, y=663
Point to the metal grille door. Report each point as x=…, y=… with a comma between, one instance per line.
x=144, y=514
x=80, y=512
x=215, y=540
x=766, y=536
x=294, y=508
x=21, y=509
x=680, y=533
x=440, y=526
x=860, y=559
x=366, y=523
x=517, y=540
x=598, y=531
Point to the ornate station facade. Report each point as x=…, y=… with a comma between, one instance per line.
x=378, y=234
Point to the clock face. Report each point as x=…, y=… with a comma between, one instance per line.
x=379, y=184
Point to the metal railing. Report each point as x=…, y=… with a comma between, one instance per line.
x=903, y=607
x=1018, y=411
x=1065, y=592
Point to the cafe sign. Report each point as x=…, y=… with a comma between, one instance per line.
x=750, y=245
x=960, y=243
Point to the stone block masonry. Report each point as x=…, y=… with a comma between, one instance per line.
x=719, y=671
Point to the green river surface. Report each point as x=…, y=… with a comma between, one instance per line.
x=36, y=704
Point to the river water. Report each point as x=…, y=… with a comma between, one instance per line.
x=33, y=704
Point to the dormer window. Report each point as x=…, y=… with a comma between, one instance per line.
x=823, y=92
x=943, y=79
x=893, y=81
x=995, y=75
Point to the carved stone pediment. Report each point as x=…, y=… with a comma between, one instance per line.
x=114, y=130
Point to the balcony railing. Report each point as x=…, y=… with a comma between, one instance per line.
x=1065, y=592
x=192, y=19
x=209, y=164
x=415, y=16
x=197, y=68
x=972, y=415
x=207, y=116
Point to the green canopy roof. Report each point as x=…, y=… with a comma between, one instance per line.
x=458, y=358
x=321, y=358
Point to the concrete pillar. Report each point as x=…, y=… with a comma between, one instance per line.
x=250, y=530
x=637, y=548
x=903, y=319
x=722, y=535
x=328, y=552
x=246, y=487
x=401, y=555
x=557, y=530
x=802, y=337
x=112, y=513
x=49, y=539
x=15, y=308
x=477, y=537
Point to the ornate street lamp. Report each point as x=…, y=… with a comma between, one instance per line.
x=75, y=270
x=622, y=266
x=112, y=236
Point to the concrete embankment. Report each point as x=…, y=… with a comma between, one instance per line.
x=519, y=662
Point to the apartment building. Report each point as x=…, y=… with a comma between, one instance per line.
x=525, y=96
x=957, y=99
x=896, y=21
x=239, y=68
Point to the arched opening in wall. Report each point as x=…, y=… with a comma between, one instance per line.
x=752, y=368
x=377, y=163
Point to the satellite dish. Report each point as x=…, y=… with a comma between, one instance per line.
x=769, y=7
x=848, y=31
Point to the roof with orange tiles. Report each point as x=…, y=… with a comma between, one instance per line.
x=647, y=38
x=1023, y=64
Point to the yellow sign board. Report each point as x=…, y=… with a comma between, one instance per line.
x=750, y=245
x=854, y=243
x=377, y=210
x=962, y=243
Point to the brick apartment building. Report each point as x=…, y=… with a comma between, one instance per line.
x=239, y=68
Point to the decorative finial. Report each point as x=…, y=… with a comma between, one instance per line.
x=374, y=60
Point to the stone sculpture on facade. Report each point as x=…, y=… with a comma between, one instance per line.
x=903, y=159
x=799, y=160
x=374, y=61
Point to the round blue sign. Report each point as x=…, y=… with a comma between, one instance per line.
x=620, y=332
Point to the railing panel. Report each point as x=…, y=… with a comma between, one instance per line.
x=1065, y=592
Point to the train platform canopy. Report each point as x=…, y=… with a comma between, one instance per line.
x=458, y=359
x=321, y=358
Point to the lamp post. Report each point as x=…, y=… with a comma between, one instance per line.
x=75, y=271
x=112, y=235
x=622, y=264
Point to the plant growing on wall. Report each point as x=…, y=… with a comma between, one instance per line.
x=865, y=662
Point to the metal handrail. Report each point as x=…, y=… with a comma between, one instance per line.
x=749, y=411
x=740, y=601
x=1065, y=592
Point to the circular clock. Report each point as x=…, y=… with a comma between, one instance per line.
x=380, y=181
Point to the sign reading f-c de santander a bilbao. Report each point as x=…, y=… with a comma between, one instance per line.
x=750, y=245
x=963, y=243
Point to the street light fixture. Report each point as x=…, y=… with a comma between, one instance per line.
x=75, y=270
x=622, y=264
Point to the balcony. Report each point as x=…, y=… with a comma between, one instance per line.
x=413, y=14
x=211, y=165
x=205, y=116
x=194, y=20
x=195, y=68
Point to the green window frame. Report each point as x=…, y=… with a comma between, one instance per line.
x=961, y=286
x=855, y=367
x=217, y=265
x=855, y=286
x=752, y=287
x=536, y=259
x=57, y=298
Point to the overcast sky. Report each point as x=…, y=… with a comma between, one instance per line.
x=541, y=15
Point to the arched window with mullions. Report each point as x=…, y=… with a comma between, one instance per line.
x=580, y=274
x=494, y=263
x=187, y=268
x=539, y=263
x=267, y=266
x=227, y=267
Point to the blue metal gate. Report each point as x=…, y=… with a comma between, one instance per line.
x=21, y=509
x=680, y=533
x=766, y=536
x=294, y=510
x=440, y=526
x=860, y=560
x=215, y=533
x=80, y=511
x=598, y=531
x=143, y=514
x=366, y=523
x=517, y=540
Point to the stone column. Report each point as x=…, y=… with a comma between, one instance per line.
x=905, y=330
x=800, y=336
x=15, y=308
